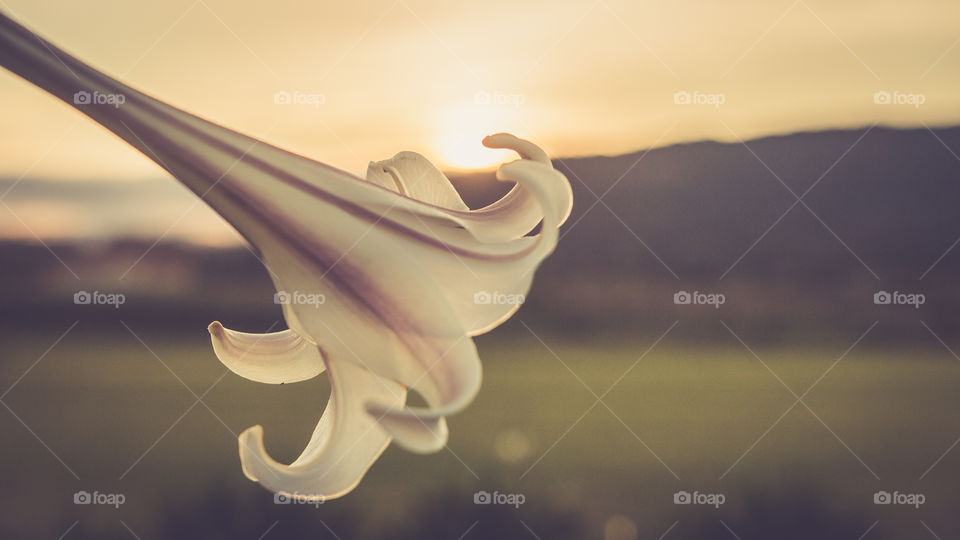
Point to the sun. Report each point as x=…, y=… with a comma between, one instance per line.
x=460, y=133
x=465, y=151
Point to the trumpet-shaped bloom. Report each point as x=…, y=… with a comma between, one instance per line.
x=407, y=272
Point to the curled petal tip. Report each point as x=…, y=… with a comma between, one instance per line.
x=273, y=358
x=525, y=148
x=215, y=328
x=496, y=140
x=250, y=442
x=344, y=445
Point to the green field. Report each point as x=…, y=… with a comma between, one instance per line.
x=678, y=418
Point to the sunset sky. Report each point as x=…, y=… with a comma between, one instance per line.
x=377, y=77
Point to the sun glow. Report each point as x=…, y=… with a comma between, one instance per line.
x=460, y=133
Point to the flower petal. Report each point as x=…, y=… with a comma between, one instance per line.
x=344, y=444
x=276, y=358
x=393, y=321
x=450, y=383
x=408, y=321
x=509, y=218
x=411, y=174
x=483, y=292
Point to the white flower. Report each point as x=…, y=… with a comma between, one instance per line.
x=397, y=257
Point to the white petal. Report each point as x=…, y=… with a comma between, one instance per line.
x=448, y=386
x=276, y=358
x=411, y=174
x=509, y=218
x=393, y=322
x=505, y=281
x=345, y=443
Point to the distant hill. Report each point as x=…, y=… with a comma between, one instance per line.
x=890, y=195
x=879, y=212
x=879, y=209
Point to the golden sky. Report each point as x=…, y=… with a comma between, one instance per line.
x=376, y=77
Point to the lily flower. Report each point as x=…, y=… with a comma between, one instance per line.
x=407, y=272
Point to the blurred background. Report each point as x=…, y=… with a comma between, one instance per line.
x=749, y=329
